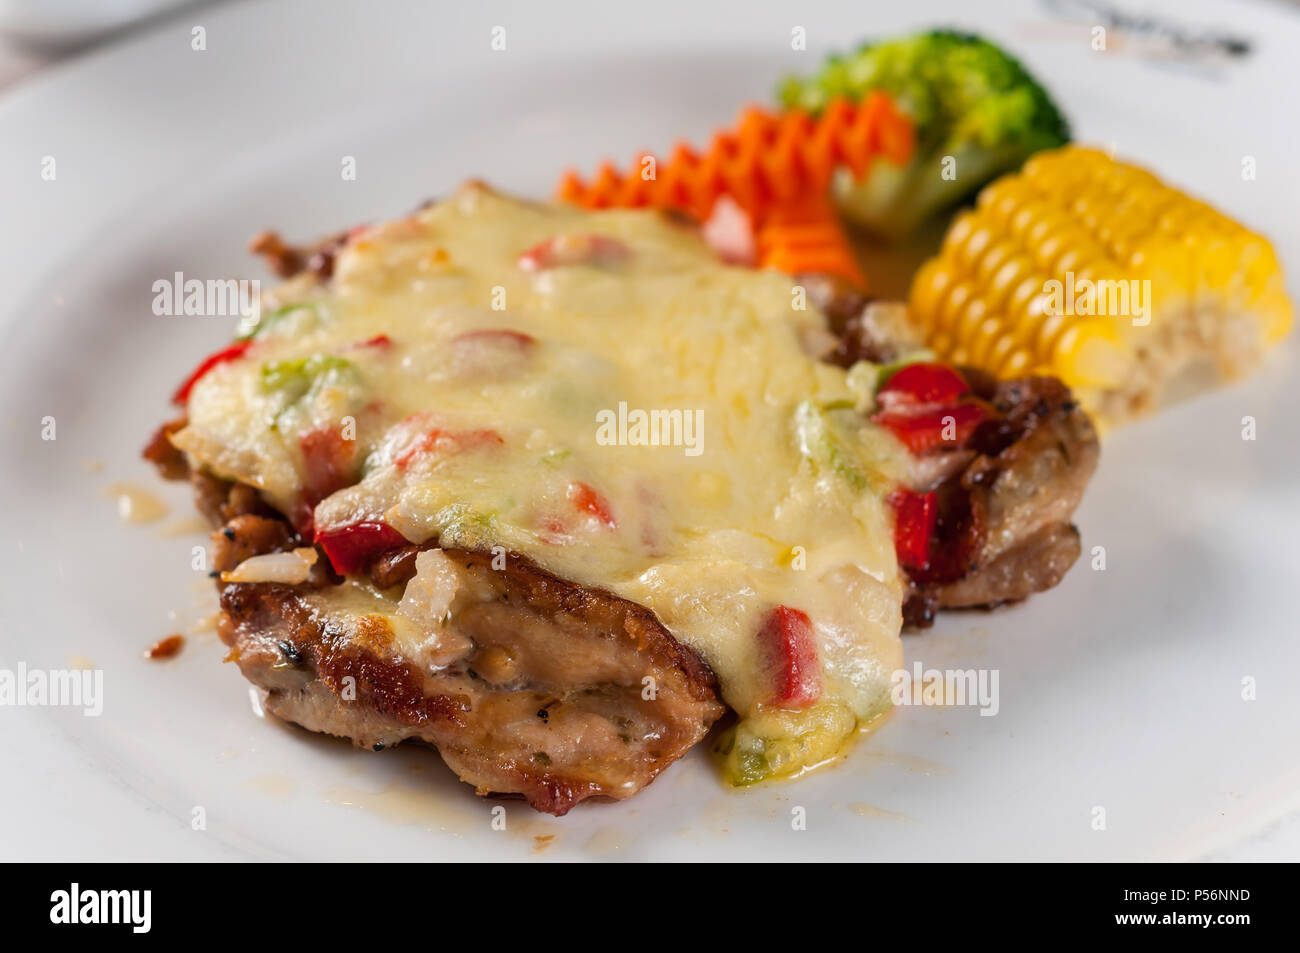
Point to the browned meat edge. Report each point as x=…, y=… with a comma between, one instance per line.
x=1004, y=529
x=285, y=260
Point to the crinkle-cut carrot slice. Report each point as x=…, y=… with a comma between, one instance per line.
x=777, y=167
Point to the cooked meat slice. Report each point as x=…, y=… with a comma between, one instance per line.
x=868, y=330
x=160, y=451
x=1036, y=562
x=1036, y=464
x=287, y=260
x=1004, y=528
x=221, y=500
x=217, y=499
x=283, y=260
x=527, y=684
x=880, y=332
x=395, y=567
x=837, y=297
x=246, y=536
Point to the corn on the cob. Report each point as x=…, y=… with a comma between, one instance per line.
x=1049, y=274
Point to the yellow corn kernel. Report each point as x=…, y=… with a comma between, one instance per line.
x=959, y=232
x=1015, y=364
x=993, y=344
x=929, y=287
x=994, y=259
x=952, y=306
x=967, y=323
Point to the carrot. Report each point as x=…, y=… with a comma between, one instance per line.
x=813, y=242
x=776, y=166
x=766, y=160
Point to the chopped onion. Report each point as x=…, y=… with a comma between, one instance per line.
x=428, y=596
x=291, y=568
x=817, y=341
x=729, y=231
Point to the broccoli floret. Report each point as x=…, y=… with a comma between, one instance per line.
x=970, y=101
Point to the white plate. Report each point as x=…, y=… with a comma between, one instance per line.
x=1121, y=689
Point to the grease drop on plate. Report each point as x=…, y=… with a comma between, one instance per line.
x=607, y=840
x=274, y=785
x=405, y=805
x=862, y=809
x=136, y=504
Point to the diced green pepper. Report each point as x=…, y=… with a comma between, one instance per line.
x=295, y=376
x=820, y=442
x=887, y=371
x=251, y=326
x=776, y=743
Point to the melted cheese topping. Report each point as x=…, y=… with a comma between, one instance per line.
x=530, y=440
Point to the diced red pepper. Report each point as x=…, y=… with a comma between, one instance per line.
x=352, y=548
x=590, y=501
x=933, y=428
x=227, y=354
x=379, y=341
x=447, y=441
x=914, y=520
x=561, y=250
x=922, y=384
x=497, y=335
x=327, y=462
x=960, y=530
x=554, y=532
x=786, y=639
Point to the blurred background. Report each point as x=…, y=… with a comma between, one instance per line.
x=35, y=34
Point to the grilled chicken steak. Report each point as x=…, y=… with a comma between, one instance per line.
x=361, y=590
